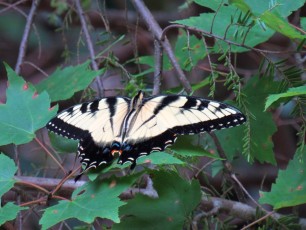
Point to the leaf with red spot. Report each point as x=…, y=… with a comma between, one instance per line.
x=176, y=200
x=290, y=186
x=23, y=113
x=95, y=199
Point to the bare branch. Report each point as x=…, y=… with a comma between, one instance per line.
x=24, y=41
x=98, y=81
x=157, y=33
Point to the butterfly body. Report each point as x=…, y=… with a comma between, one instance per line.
x=135, y=127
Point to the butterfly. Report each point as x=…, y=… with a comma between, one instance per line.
x=135, y=127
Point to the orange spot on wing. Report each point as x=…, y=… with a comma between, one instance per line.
x=116, y=151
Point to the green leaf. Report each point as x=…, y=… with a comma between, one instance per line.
x=225, y=21
x=212, y=4
x=63, y=145
x=303, y=23
x=273, y=20
x=231, y=141
x=176, y=200
x=63, y=83
x=220, y=24
x=97, y=199
x=160, y=158
x=241, y=4
x=291, y=92
x=7, y=172
x=289, y=188
x=25, y=111
x=259, y=143
x=9, y=212
x=189, y=146
x=278, y=24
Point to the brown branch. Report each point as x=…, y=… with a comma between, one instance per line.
x=157, y=33
x=24, y=41
x=98, y=80
x=158, y=56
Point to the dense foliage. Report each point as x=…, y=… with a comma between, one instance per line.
x=229, y=52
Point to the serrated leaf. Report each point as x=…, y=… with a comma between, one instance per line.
x=291, y=92
x=99, y=199
x=24, y=112
x=289, y=188
x=176, y=200
x=260, y=145
x=9, y=212
x=223, y=22
x=63, y=83
x=219, y=24
x=7, y=172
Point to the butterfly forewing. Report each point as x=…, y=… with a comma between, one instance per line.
x=183, y=115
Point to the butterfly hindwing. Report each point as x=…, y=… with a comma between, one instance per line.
x=92, y=155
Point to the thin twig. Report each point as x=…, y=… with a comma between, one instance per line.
x=157, y=33
x=32, y=185
x=50, y=155
x=258, y=220
x=94, y=64
x=228, y=168
x=36, y=67
x=24, y=41
x=60, y=184
x=11, y=5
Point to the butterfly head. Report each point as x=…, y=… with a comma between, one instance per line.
x=137, y=100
